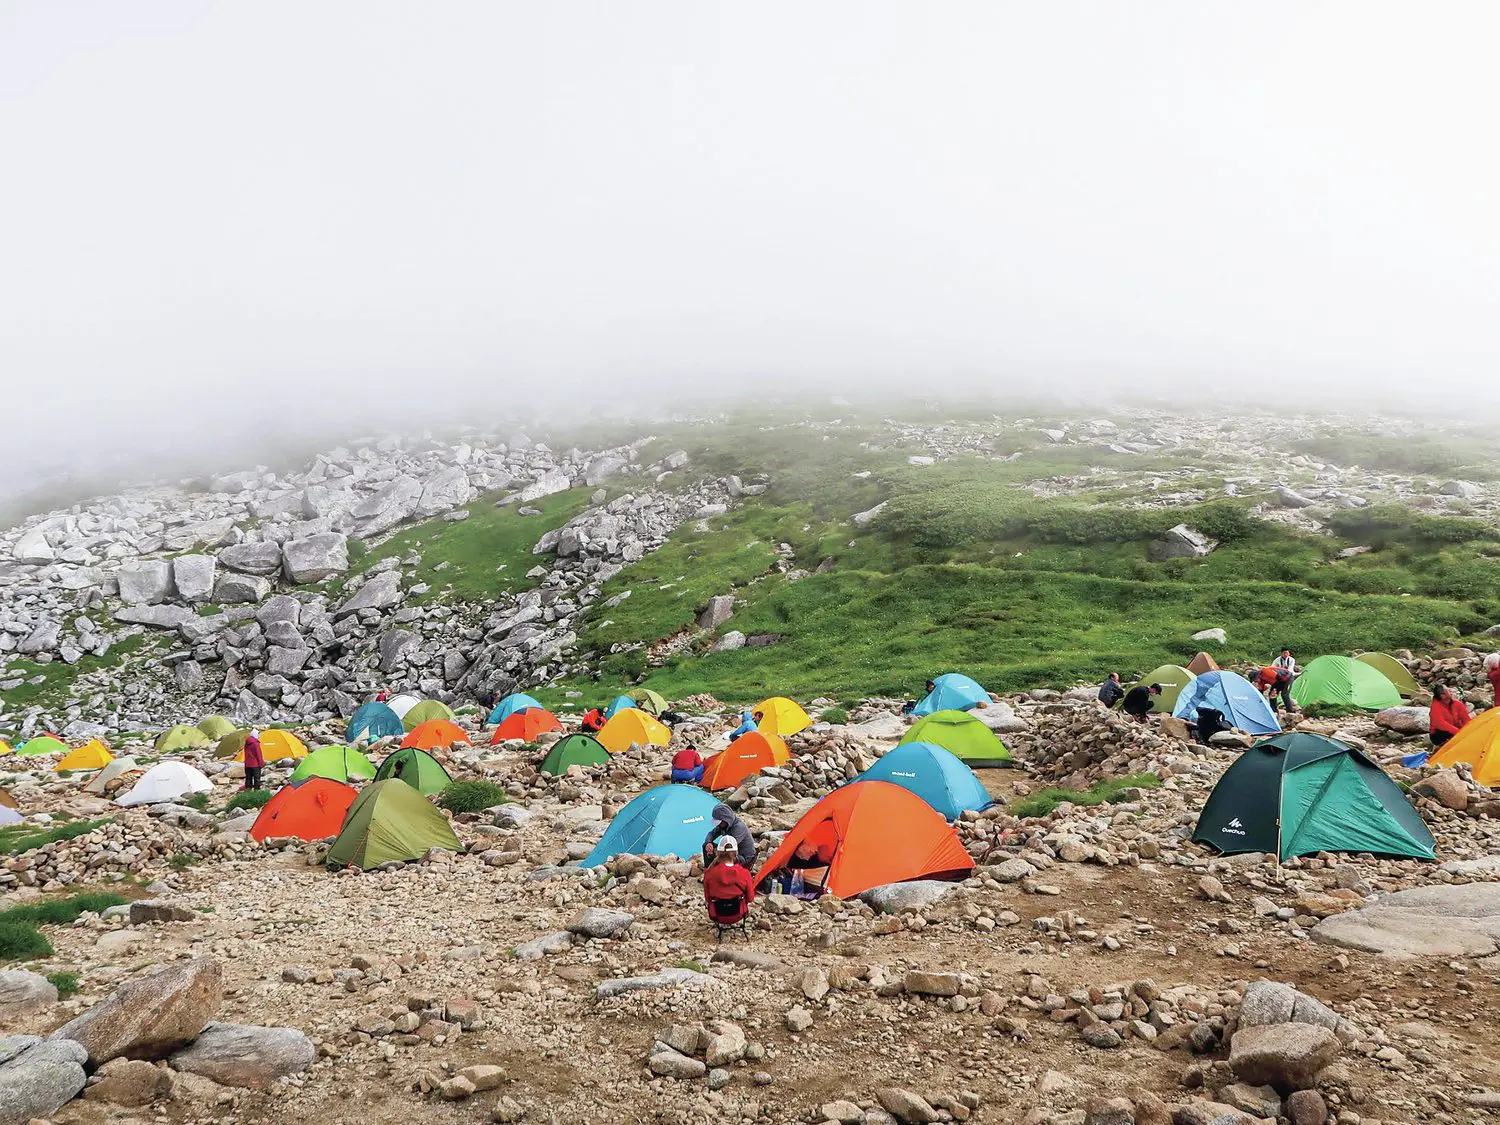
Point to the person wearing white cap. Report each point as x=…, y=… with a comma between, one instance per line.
x=255, y=760
x=726, y=882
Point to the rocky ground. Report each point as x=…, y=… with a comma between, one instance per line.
x=1097, y=967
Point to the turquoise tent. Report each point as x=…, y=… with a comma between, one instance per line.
x=1243, y=707
x=508, y=706
x=618, y=703
x=667, y=820
x=934, y=774
x=952, y=692
x=372, y=721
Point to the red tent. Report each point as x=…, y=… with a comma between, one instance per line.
x=310, y=810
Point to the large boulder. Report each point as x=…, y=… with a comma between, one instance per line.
x=1180, y=542
x=315, y=558
x=38, y=1077
x=1461, y=920
x=380, y=592
x=1269, y=1002
x=719, y=610
x=916, y=894
x=146, y=582
x=448, y=488
x=33, y=548
x=263, y=559
x=548, y=484
x=21, y=992
x=242, y=589
x=1446, y=787
x=383, y=510
x=1403, y=720
x=152, y=1016
x=129, y=1082
x=193, y=575
x=156, y=616
x=241, y=1055
x=1288, y=1056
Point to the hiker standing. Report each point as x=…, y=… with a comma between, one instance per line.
x=255, y=760
x=1110, y=691
x=1447, y=715
x=1287, y=663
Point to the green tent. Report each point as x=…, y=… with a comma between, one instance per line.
x=1338, y=681
x=649, y=701
x=390, y=822
x=42, y=744
x=215, y=726
x=575, y=750
x=1393, y=670
x=182, y=737
x=963, y=736
x=1297, y=794
x=417, y=768
x=1173, y=678
x=337, y=763
x=427, y=709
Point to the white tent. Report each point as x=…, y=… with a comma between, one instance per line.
x=9, y=815
x=166, y=781
x=117, y=768
x=401, y=704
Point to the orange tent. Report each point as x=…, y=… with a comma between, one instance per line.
x=749, y=753
x=525, y=724
x=311, y=810
x=875, y=833
x=1202, y=663
x=434, y=733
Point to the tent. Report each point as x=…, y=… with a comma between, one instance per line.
x=934, y=774
x=426, y=710
x=117, y=768
x=166, y=781
x=401, y=704
x=92, y=755
x=390, y=823
x=1339, y=681
x=1478, y=743
x=1393, y=670
x=313, y=810
x=215, y=726
x=953, y=692
x=526, y=725
x=373, y=721
x=1173, y=678
x=181, y=737
x=5, y=748
x=9, y=815
x=779, y=715
x=666, y=820
x=574, y=750
x=963, y=736
x=651, y=702
x=335, y=763
x=42, y=744
x=433, y=733
x=417, y=768
x=748, y=754
x=632, y=727
x=1200, y=664
x=1235, y=696
x=1298, y=793
x=617, y=704
x=880, y=833
x=275, y=745
x=508, y=706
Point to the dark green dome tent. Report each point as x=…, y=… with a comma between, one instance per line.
x=1298, y=793
x=417, y=768
x=574, y=750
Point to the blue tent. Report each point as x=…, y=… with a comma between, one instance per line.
x=374, y=720
x=667, y=820
x=1243, y=706
x=952, y=692
x=510, y=705
x=934, y=774
x=618, y=703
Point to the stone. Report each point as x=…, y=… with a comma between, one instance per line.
x=1306, y=1107
x=593, y=922
x=22, y=992
x=1446, y=787
x=1463, y=489
x=1109, y=1111
x=1205, y=1112
x=905, y=1106
x=896, y=898
x=380, y=592
x=1180, y=542
x=1269, y=1002
x=726, y=1045
x=147, y=910
x=1217, y=636
x=603, y=469
x=1258, y=1101
x=262, y=559
x=1101, y=1035
x=151, y=1016
x=315, y=558
x=1460, y=920
x=193, y=575
x=445, y=489
x=814, y=983
x=664, y=978
x=1404, y=720
x=38, y=1077
x=798, y=1019
x=730, y=641
x=719, y=610
x=845, y=1113
x=1288, y=1056
x=867, y=517
x=931, y=984
x=33, y=548
x=156, y=616
x=484, y=1076
x=245, y=1056
x=670, y=1064
x=548, y=484
x=129, y=1082
x=1287, y=498
x=242, y=589
x=145, y=583
x=390, y=505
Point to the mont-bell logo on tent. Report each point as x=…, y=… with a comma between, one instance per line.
x=1234, y=827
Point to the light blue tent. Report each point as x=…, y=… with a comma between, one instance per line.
x=934, y=774
x=1235, y=696
x=374, y=720
x=667, y=820
x=9, y=815
x=618, y=703
x=952, y=692
x=510, y=705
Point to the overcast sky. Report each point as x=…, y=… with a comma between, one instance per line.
x=217, y=214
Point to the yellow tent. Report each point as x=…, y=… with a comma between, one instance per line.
x=632, y=727
x=5, y=747
x=1478, y=743
x=1393, y=670
x=215, y=726
x=780, y=716
x=92, y=755
x=274, y=745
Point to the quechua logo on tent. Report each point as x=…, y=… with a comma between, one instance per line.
x=1234, y=828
